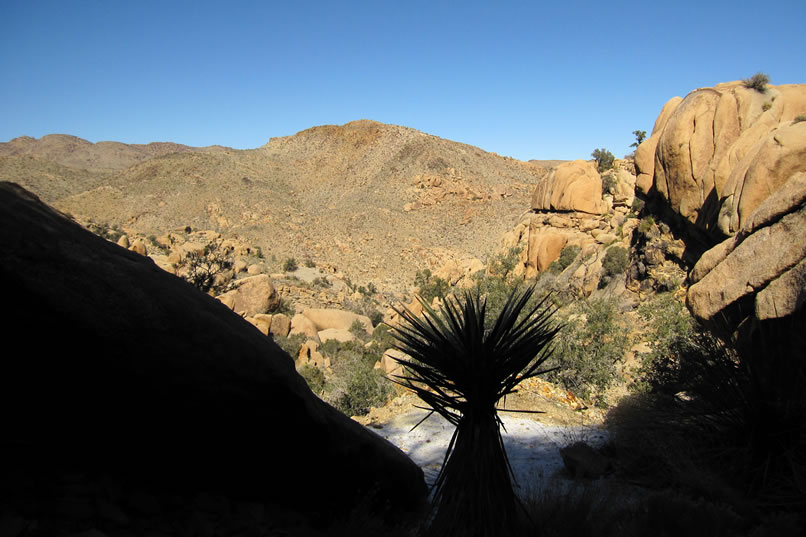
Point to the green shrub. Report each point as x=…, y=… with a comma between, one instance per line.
x=358, y=331
x=615, y=261
x=588, y=348
x=290, y=265
x=430, y=286
x=309, y=263
x=314, y=377
x=382, y=337
x=567, y=256
x=290, y=344
x=355, y=385
x=504, y=263
x=109, y=232
x=646, y=225
x=604, y=159
x=766, y=106
x=757, y=82
x=369, y=290
x=366, y=306
x=609, y=183
x=321, y=281
x=671, y=332
x=637, y=205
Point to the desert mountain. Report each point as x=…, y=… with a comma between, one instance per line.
x=379, y=201
x=75, y=152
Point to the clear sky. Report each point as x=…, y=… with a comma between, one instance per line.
x=524, y=79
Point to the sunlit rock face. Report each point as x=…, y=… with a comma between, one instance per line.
x=729, y=160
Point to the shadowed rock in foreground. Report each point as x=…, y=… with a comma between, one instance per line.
x=114, y=366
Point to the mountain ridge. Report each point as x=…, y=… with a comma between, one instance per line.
x=379, y=201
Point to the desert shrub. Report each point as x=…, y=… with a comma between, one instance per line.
x=201, y=269
x=798, y=119
x=430, y=286
x=290, y=344
x=382, y=337
x=359, y=332
x=609, y=183
x=314, y=377
x=757, y=82
x=108, y=232
x=671, y=332
x=284, y=306
x=732, y=423
x=615, y=261
x=567, y=256
x=504, y=263
x=321, y=281
x=290, y=265
x=637, y=205
x=369, y=290
x=258, y=252
x=588, y=348
x=604, y=159
x=646, y=225
x=366, y=306
x=309, y=263
x=355, y=385
x=766, y=106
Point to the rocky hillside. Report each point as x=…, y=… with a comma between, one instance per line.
x=379, y=201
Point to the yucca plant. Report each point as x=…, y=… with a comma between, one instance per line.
x=461, y=370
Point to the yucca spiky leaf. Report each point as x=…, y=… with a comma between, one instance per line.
x=461, y=370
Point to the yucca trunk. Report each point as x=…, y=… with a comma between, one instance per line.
x=475, y=497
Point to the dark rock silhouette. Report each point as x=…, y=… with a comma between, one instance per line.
x=112, y=365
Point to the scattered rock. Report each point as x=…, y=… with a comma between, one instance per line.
x=254, y=295
x=280, y=324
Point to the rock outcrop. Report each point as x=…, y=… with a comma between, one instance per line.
x=729, y=160
x=765, y=261
x=571, y=186
x=121, y=368
x=717, y=154
x=324, y=319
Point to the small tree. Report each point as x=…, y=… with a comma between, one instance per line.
x=604, y=159
x=639, y=137
x=461, y=370
x=201, y=269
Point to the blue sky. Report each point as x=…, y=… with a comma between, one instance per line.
x=518, y=78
